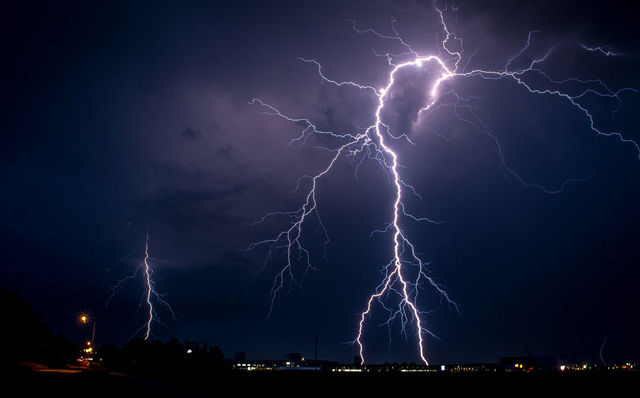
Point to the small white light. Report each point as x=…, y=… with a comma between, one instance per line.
x=442, y=368
x=189, y=351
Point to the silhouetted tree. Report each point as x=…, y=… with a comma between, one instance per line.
x=25, y=336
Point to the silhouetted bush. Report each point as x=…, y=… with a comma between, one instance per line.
x=157, y=359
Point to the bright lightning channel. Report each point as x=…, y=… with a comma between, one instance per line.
x=371, y=143
x=147, y=272
x=150, y=291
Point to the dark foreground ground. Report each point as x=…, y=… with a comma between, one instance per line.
x=75, y=383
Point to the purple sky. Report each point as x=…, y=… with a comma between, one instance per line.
x=124, y=118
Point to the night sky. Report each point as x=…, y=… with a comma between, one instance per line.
x=122, y=118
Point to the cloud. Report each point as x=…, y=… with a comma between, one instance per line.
x=186, y=198
x=191, y=134
x=225, y=151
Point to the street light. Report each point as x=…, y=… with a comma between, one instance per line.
x=88, y=352
x=84, y=318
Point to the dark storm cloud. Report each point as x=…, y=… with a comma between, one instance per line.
x=191, y=134
x=185, y=199
x=225, y=151
x=567, y=20
x=195, y=216
x=192, y=208
x=343, y=110
x=407, y=96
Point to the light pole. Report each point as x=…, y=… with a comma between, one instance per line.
x=85, y=319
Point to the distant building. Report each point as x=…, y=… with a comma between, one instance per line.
x=294, y=357
x=529, y=363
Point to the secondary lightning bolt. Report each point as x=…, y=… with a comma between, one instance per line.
x=371, y=143
x=147, y=272
x=150, y=292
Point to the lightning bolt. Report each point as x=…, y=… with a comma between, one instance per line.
x=406, y=271
x=150, y=291
x=604, y=50
x=604, y=341
x=147, y=273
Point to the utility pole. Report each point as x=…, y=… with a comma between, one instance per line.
x=93, y=334
x=316, y=349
